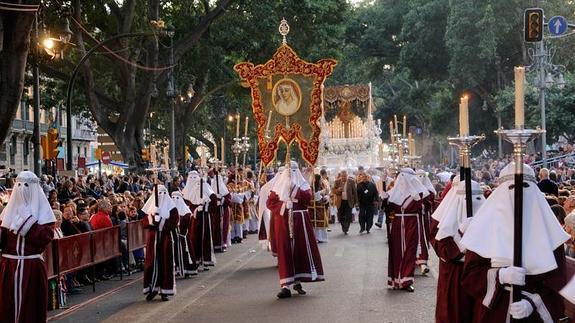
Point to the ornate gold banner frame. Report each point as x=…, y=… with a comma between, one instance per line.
x=286, y=63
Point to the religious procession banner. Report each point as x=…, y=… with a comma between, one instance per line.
x=287, y=99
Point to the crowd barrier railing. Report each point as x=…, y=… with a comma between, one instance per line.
x=81, y=251
x=569, y=272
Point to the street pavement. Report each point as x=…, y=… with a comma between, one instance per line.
x=243, y=285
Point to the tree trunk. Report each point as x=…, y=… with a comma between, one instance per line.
x=16, y=27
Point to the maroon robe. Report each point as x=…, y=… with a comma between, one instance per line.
x=475, y=281
x=159, y=262
x=220, y=219
x=33, y=293
x=201, y=234
x=184, y=253
x=298, y=255
x=403, y=243
x=424, y=229
x=453, y=303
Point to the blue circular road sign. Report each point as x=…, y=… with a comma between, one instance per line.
x=557, y=25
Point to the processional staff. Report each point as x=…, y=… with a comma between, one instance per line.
x=519, y=137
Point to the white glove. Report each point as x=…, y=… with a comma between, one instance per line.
x=521, y=309
x=464, y=225
x=289, y=205
x=512, y=275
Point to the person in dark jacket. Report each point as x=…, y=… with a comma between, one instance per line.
x=545, y=184
x=367, y=197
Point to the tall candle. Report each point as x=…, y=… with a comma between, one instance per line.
x=396, y=124
x=215, y=150
x=246, y=128
x=391, y=131
x=223, y=147
x=464, y=116
x=519, y=97
x=404, y=125
x=409, y=144
x=400, y=146
x=269, y=120
x=238, y=126
x=369, y=107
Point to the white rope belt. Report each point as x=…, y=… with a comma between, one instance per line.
x=299, y=211
x=38, y=256
x=406, y=214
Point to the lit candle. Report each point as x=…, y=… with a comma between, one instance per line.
x=519, y=97
x=223, y=147
x=391, y=131
x=246, y=128
x=464, y=116
x=396, y=124
x=409, y=144
x=404, y=125
x=369, y=106
x=238, y=126
x=215, y=150
x=269, y=121
x=400, y=154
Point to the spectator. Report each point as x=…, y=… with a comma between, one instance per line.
x=102, y=219
x=546, y=185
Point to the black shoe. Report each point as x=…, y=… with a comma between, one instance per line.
x=409, y=289
x=424, y=269
x=151, y=295
x=367, y=231
x=361, y=231
x=299, y=289
x=165, y=298
x=345, y=233
x=378, y=225
x=284, y=293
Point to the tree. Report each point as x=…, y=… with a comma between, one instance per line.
x=15, y=27
x=120, y=87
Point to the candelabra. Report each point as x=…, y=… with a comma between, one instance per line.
x=519, y=137
x=236, y=150
x=245, y=148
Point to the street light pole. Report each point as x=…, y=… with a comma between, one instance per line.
x=171, y=93
x=542, y=86
x=36, y=90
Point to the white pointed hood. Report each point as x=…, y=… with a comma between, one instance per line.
x=407, y=185
x=490, y=234
x=28, y=197
x=192, y=191
x=178, y=198
x=287, y=181
x=165, y=205
x=454, y=211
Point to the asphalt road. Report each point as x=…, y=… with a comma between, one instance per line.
x=243, y=285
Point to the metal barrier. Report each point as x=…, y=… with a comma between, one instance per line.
x=569, y=272
x=80, y=251
x=136, y=235
x=552, y=162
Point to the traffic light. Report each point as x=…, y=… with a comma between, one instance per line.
x=153, y=155
x=44, y=144
x=98, y=154
x=533, y=24
x=51, y=144
x=146, y=154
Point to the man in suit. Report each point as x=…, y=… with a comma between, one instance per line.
x=345, y=192
x=545, y=184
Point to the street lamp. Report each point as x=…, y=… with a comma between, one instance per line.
x=545, y=71
x=172, y=94
x=56, y=48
